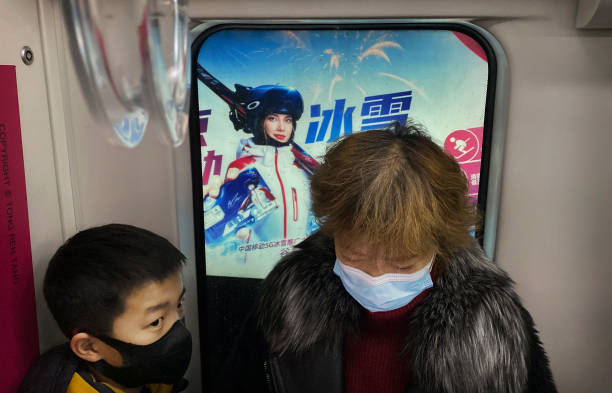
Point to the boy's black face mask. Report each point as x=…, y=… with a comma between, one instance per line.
x=164, y=361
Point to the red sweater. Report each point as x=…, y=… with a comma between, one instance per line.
x=372, y=360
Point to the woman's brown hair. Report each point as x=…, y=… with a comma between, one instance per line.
x=398, y=189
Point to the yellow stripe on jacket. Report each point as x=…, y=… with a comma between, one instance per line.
x=79, y=385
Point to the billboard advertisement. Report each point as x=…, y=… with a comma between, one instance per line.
x=272, y=100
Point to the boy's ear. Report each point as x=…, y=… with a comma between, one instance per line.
x=86, y=346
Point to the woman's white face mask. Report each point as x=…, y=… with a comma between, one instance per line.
x=378, y=283
x=383, y=293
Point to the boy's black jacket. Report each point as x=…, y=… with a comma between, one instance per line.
x=52, y=373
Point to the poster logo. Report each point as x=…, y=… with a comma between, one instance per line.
x=466, y=147
x=463, y=145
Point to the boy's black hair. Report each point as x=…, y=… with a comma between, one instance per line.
x=91, y=275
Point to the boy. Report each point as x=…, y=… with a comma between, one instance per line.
x=116, y=293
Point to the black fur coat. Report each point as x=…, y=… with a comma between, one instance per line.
x=469, y=335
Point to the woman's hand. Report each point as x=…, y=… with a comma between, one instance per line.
x=215, y=183
x=212, y=189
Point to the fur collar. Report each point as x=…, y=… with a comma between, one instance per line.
x=470, y=334
x=303, y=301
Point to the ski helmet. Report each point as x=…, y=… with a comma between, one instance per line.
x=266, y=99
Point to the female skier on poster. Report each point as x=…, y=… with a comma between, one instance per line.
x=282, y=167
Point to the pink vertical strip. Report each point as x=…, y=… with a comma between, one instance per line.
x=471, y=44
x=18, y=329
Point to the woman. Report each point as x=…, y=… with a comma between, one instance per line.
x=283, y=167
x=393, y=294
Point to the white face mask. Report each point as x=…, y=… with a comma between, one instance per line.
x=383, y=293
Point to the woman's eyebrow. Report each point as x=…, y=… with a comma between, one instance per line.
x=407, y=266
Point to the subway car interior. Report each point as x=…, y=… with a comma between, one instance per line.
x=157, y=114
